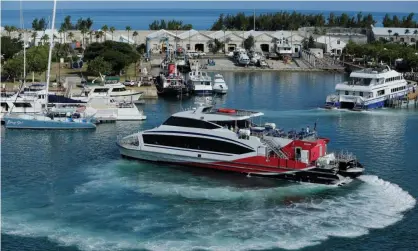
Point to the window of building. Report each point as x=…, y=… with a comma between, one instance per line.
x=196, y=143
x=187, y=122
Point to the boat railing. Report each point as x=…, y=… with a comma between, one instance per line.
x=274, y=147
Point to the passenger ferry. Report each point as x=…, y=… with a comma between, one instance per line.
x=208, y=137
x=368, y=89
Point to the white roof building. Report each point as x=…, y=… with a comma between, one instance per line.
x=396, y=34
x=330, y=44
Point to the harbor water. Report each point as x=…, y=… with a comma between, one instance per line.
x=71, y=190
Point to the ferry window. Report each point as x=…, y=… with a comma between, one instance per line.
x=186, y=122
x=338, y=41
x=207, y=83
x=381, y=92
x=196, y=143
x=23, y=105
x=233, y=123
x=206, y=109
x=100, y=90
x=361, y=94
x=346, y=92
x=367, y=81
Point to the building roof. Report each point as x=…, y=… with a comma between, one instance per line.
x=383, y=31
x=253, y=33
x=187, y=34
x=159, y=34
x=219, y=34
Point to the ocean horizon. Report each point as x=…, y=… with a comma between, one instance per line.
x=139, y=19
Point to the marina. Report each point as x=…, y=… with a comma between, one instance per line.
x=265, y=131
x=104, y=178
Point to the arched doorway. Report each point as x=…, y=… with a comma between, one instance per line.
x=199, y=47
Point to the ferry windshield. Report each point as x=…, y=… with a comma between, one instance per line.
x=362, y=81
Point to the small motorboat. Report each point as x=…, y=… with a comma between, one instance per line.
x=219, y=85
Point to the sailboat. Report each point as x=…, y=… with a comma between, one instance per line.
x=44, y=120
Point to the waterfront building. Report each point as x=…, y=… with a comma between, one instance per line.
x=394, y=34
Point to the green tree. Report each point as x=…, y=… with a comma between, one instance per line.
x=70, y=36
x=10, y=46
x=119, y=55
x=99, y=66
x=311, y=42
x=45, y=38
x=396, y=36
x=14, y=67
x=216, y=46
x=128, y=28
x=8, y=29
x=112, y=29
x=249, y=42
x=134, y=34
x=105, y=29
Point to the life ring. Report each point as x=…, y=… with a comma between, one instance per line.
x=226, y=110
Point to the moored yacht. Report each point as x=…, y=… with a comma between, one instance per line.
x=117, y=91
x=199, y=82
x=208, y=137
x=368, y=89
x=219, y=86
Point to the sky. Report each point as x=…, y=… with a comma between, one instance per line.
x=365, y=6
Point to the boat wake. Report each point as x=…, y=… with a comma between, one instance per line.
x=131, y=205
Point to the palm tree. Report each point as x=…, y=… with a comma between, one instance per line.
x=34, y=35
x=112, y=29
x=97, y=35
x=70, y=35
x=101, y=34
x=45, y=38
x=415, y=34
x=91, y=33
x=134, y=34
x=60, y=31
x=8, y=29
x=105, y=29
x=128, y=28
x=84, y=30
x=390, y=32
x=406, y=33
x=13, y=28
x=53, y=38
x=396, y=36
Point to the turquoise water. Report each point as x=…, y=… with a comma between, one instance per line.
x=72, y=191
x=201, y=19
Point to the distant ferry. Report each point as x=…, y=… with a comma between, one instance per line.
x=368, y=89
x=208, y=137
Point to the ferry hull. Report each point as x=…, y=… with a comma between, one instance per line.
x=18, y=123
x=247, y=167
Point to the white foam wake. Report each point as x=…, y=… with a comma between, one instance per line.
x=236, y=218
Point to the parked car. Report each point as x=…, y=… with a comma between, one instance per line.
x=129, y=83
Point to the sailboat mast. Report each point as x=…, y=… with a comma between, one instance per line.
x=22, y=24
x=51, y=46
